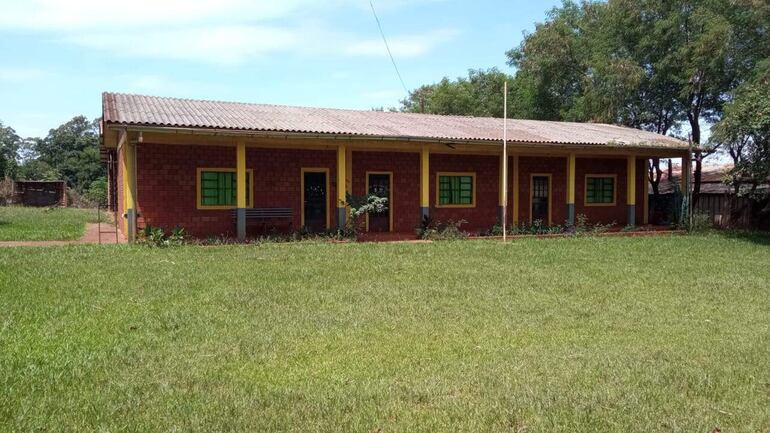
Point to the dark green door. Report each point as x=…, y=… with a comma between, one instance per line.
x=379, y=185
x=314, y=206
x=540, y=193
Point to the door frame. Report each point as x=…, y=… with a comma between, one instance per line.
x=302, y=193
x=532, y=177
x=390, y=197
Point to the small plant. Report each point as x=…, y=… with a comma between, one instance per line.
x=360, y=206
x=427, y=228
x=156, y=237
x=699, y=222
x=436, y=231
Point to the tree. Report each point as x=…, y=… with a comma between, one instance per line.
x=647, y=64
x=745, y=131
x=9, y=148
x=480, y=94
x=72, y=150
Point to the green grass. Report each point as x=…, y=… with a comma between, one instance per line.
x=562, y=335
x=43, y=224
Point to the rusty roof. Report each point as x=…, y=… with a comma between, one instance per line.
x=153, y=111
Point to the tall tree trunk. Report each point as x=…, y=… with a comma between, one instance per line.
x=697, y=158
x=654, y=173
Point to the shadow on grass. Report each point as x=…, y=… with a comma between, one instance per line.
x=755, y=237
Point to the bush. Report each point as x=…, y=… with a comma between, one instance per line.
x=157, y=237
x=700, y=222
x=97, y=192
x=436, y=231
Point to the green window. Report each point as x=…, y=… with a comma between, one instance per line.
x=455, y=190
x=218, y=188
x=600, y=190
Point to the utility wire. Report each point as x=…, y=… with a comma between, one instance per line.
x=387, y=47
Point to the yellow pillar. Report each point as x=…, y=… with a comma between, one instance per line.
x=349, y=173
x=571, y=189
x=240, y=189
x=424, y=183
x=341, y=184
x=515, y=174
x=631, y=190
x=128, y=162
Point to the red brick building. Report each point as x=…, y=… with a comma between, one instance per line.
x=219, y=168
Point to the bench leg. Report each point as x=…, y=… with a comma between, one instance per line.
x=240, y=224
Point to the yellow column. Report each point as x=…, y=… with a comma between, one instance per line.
x=515, y=174
x=571, y=189
x=240, y=189
x=631, y=190
x=349, y=173
x=128, y=162
x=341, y=185
x=424, y=183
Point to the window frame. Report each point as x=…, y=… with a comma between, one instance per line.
x=471, y=174
x=614, y=178
x=199, y=192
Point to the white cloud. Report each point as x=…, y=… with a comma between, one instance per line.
x=222, y=44
x=402, y=46
x=209, y=31
x=79, y=15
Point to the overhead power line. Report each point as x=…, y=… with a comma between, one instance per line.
x=387, y=47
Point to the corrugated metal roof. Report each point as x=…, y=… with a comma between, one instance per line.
x=126, y=109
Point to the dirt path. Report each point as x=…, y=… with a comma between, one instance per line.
x=90, y=237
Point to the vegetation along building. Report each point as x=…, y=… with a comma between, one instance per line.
x=223, y=168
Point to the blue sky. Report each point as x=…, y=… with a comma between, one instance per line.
x=58, y=56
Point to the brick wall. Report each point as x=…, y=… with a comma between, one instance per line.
x=485, y=214
x=167, y=195
x=602, y=214
x=405, y=168
x=557, y=168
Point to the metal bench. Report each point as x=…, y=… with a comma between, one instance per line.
x=266, y=213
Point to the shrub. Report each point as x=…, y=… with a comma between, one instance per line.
x=699, y=222
x=97, y=192
x=436, y=231
x=157, y=237
x=360, y=206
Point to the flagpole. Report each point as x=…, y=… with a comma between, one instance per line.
x=505, y=155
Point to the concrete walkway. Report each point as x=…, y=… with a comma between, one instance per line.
x=90, y=237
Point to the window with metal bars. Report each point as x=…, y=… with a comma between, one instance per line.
x=455, y=190
x=218, y=188
x=600, y=190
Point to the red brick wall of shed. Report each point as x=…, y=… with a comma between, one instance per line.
x=406, y=183
x=167, y=196
x=486, y=167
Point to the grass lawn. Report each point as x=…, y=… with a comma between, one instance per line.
x=43, y=224
x=559, y=335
